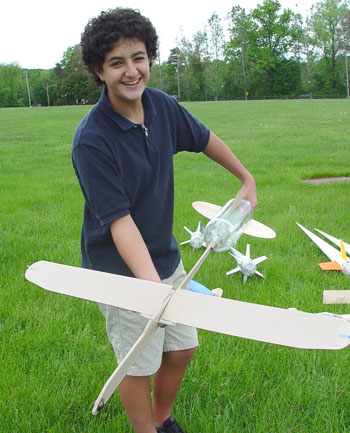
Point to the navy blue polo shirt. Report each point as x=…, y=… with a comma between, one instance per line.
x=127, y=169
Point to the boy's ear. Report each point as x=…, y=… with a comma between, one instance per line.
x=98, y=72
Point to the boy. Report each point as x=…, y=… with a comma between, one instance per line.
x=123, y=157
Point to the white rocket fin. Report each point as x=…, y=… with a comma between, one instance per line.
x=334, y=240
x=233, y=271
x=332, y=253
x=259, y=259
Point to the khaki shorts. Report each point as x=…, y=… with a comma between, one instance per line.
x=124, y=327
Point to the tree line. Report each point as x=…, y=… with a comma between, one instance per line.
x=270, y=52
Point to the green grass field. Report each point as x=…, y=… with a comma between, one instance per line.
x=55, y=356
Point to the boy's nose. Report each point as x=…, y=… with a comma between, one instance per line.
x=131, y=70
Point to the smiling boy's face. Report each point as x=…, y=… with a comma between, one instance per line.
x=125, y=71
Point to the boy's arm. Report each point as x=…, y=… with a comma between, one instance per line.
x=219, y=152
x=132, y=248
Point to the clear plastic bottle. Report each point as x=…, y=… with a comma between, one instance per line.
x=228, y=226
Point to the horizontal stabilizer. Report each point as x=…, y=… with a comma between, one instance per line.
x=330, y=266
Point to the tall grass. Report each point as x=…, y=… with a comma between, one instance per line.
x=55, y=355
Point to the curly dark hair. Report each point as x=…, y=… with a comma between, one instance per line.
x=103, y=32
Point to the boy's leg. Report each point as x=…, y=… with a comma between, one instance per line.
x=135, y=395
x=167, y=382
x=123, y=328
x=180, y=344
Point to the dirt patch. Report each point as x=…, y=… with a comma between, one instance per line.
x=327, y=180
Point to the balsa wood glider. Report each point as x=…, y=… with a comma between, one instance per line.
x=339, y=260
x=165, y=306
x=253, y=228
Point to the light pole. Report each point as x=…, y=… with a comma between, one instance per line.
x=28, y=91
x=47, y=91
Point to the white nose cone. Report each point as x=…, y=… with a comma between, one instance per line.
x=248, y=267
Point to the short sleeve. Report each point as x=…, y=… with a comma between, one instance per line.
x=101, y=183
x=192, y=135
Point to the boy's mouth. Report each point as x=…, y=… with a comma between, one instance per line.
x=132, y=83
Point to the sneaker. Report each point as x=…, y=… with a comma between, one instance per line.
x=170, y=426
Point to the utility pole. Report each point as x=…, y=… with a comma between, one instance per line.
x=160, y=72
x=47, y=91
x=308, y=61
x=178, y=74
x=347, y=75
x=244, y=74
x=28, y=91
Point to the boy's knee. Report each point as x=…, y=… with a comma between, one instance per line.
x=179, y=357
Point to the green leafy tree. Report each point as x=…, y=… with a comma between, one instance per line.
x=238, y=50
x=156, y=77
x=171, y=73
x=199, y=61
x=216, y=47
x=185, y=50
x=12, y=86
x=38, y=86
x=345, y=40
x=326, y=20
x=70, y=81
x=274, y=36
x=307, y=53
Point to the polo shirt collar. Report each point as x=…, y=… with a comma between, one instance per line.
x=124, y=123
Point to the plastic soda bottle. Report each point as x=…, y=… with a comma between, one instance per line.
x=228, y=225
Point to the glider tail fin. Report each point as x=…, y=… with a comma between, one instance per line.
x=342, y=250
x=330, y=266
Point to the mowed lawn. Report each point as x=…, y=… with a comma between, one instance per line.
x=54, y=353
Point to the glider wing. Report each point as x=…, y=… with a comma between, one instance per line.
x=240, y=319
x=124, y=292
x=258, y=322
x=253, y=228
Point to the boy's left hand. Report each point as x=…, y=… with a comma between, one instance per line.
x=249, y=192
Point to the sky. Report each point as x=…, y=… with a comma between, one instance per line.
x=36, y=33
